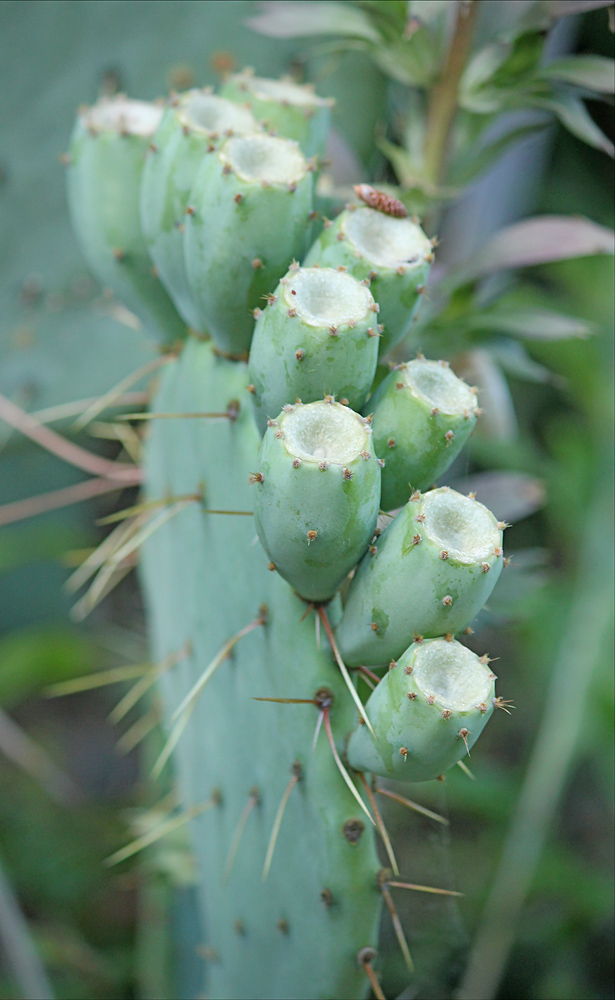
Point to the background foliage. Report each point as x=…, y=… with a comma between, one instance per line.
x=65, y=801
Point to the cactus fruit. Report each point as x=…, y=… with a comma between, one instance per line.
x=427, y=712
x=249, y=216
x=393, y=253
x=269, y=735
x=284, y=107
x=430, y=573
x=193, y=124
x=105, y=164
x=318, y=495
x=316, y=337
x=422, y=417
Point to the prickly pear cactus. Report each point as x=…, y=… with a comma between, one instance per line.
x=275, y=602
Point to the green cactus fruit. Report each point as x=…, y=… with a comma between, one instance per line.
x=284, y=107
x=428, y=575
x=248, y=217
x=297, y=932
x=422, y=417
x=317, y=495
x=394, y=253
x=315, y=338
x=427, y=712
x=105, y=164
x=193, y=124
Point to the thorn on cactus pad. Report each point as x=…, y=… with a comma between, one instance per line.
x=297, y=774
x=256, y=477
x=397, y=927
x=447, y=601
x=365, y=957
x=311, y=535
x=296, y=463
x=449, y=637
x=412, y=695
x=504, y=704
x=283, y=926
x=257, y=264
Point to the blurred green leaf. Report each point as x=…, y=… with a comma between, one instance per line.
x=537, y=241
x=593, y=72
x=574, y=116
x=532, y=324
x=474, y=161
x=33, y=658
x=295, y=20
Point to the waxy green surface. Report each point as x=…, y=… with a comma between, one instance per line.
x=417, y=440
x=416, y=739
x=173, y=159
x=205, y=579
x=406, y=588
x=292, y=358
x=306, y=123
x=398, y=292
x=240, y=238
x=103, y=181
x=297, y=497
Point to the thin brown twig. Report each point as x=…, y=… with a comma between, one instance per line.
x=19, y=510
x=56, y=444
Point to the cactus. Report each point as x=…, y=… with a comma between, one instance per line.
x=256, y=636
x=105, y=164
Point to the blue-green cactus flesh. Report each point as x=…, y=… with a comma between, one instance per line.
x=317, y=495
x=105, y=165
x=393, y=253
x=317, y=336
x=193, y=124
x=428, y=575
x=427, y=712
x=422, y=417
x=284, y=107
x=248, y=218
x=296, y=934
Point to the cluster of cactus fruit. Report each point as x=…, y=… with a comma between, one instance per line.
x=195, y=213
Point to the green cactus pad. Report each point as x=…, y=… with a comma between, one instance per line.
x=315, y=338
x=193, y=124
x=285, y=107
x=317, y=495
x=422, y=417
x=429, y=574
x=395, y=253
x=105, y=165
x=248, y=218
x=427, y=712
x=204, y=581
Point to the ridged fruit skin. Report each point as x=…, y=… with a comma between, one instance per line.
x=396, y=290
x=297, y=497
x=416, y=739
x=417, y=441
x=291, y=358
x=103, y=181
x=306, y=124
x=402, y=589
x=171, y=165
x=296, y=934
x=240, y=239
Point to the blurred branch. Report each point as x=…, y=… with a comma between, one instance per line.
x=18, y=947
x=443, y=100
x=589, y=619
x=28, y=755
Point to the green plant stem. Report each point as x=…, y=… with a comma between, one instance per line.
x=443, y=101
x=553, y=753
